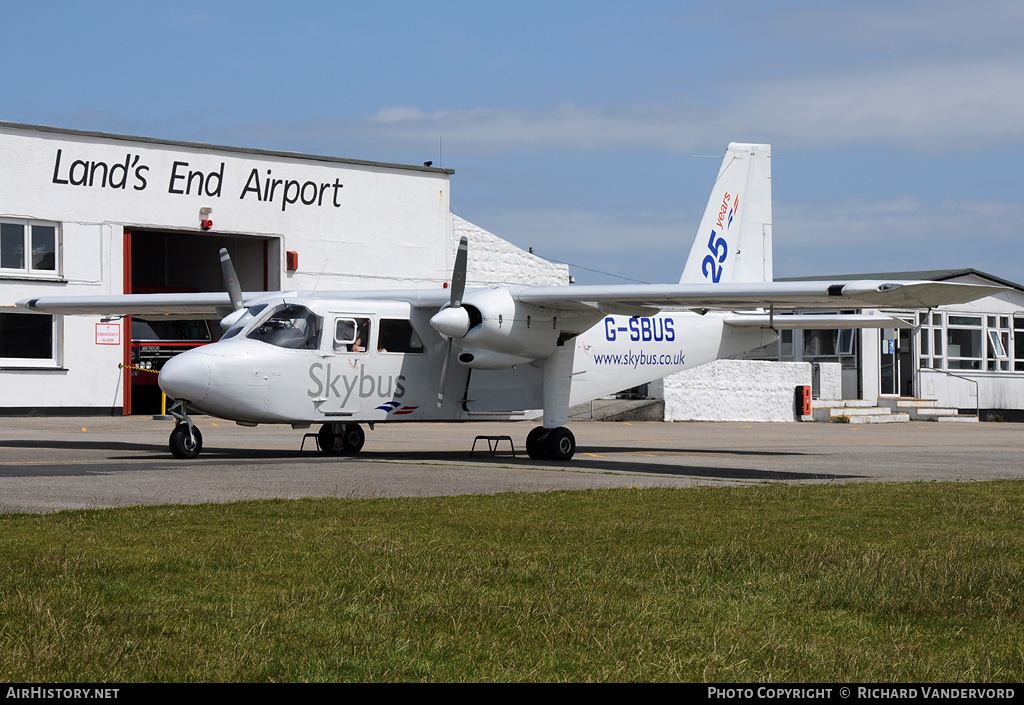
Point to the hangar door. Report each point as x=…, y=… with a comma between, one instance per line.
x=169, y=261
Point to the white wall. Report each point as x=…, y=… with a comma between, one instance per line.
x=736, y=390
x=494, y=262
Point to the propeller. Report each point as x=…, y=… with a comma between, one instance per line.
x=453, y=321
x=234, y=291
x=230, y=279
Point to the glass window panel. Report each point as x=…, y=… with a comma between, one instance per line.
x=991, y=321
x=965, y=320
x=963, y=342
x=997, y=344
x=351, y=334
x=290, y=326
x=924, y=342
x=12, y=246
x=44, y=247
x=26, y=335
x=398, y=336
x=936, y=319
x=171, y=331
x=1004, y=321
x=938, y=342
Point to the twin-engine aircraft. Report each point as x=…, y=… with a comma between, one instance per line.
x=514, y=352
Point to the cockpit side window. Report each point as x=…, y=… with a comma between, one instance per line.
x=351, y=334
x=290, y=326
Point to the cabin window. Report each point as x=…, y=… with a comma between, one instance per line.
x=398, y=336
x=290, y=326
x=351, y=335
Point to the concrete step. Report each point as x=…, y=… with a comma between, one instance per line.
x=933, y=412
x=840, y=403
x=959, y=418
x=839, y=412
x=878, y=418
x=905, y=402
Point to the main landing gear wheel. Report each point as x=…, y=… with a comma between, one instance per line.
x=183, y=444
x=550, y=443
x=335, y=439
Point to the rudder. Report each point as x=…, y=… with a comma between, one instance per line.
x=734, y=240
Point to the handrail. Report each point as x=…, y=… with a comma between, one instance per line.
x=977, y=387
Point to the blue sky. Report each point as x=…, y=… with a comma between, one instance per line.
x=578, y=127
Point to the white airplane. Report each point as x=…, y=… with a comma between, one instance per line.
x=349, y=357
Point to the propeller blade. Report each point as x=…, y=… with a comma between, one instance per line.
x=459, y=273
x=444, y=373
x=453, y=320
x=230, y=280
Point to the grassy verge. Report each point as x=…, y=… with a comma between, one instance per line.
x=865, y=582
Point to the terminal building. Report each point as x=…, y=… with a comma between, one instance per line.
x=84, y=213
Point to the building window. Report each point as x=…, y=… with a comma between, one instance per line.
x=998, y=349
x=1018, y=344
x=29, y=340
x=964, y=342
x=29, y=248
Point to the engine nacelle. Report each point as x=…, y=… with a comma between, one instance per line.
x=489, y=360
x=509, y=327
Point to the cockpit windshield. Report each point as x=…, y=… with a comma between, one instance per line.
x=244, y=321
x=290, y=326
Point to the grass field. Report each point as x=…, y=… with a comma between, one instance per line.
x=851, y=583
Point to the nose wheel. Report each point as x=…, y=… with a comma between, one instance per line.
x=340, y=439
x=186, y=441
x=550, y=444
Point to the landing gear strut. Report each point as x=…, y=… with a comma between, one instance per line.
x=550, y=443
x=186, y=441
x=340, y=439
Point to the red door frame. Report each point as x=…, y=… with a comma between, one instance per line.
x=126, y=380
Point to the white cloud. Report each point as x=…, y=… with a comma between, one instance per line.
x=898, y=235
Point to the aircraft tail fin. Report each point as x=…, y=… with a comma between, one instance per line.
x=734, y=240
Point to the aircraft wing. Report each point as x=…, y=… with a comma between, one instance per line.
x=778, y=295
x=202, y=305
x=628, y=299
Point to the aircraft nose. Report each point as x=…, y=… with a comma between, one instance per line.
x=186, y=376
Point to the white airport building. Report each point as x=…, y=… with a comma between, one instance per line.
x=84, y=213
